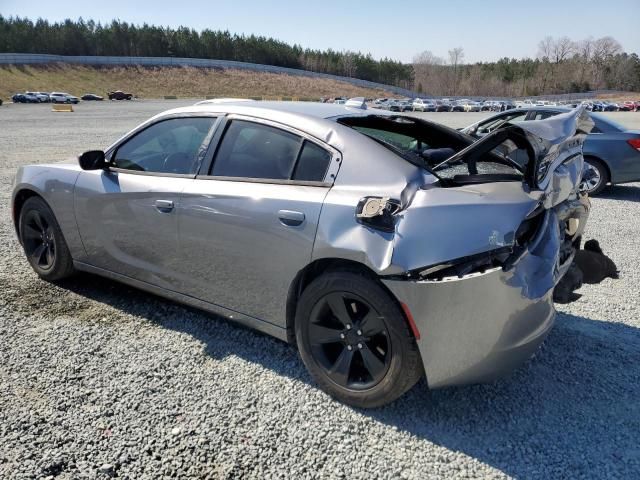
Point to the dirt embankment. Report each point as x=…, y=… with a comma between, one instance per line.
x=179, y=81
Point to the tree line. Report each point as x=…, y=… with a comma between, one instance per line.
x=561, y=66
x=118, y=38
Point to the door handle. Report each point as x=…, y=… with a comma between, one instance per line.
x=164, y=206
x=290, y=218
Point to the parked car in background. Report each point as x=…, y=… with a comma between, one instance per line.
x=91, y=96
x=41, y=96
x=443, y=106
x=417, y=252
x=627, y=106
x=24, y=98
x=472, y=106
x=120, y=95
x=407, y=104
x=611, y=151
x=61, y=97
x=488, y=106
x=380, y=102
x=423, y=105
x=394, y=105
x=457, y=106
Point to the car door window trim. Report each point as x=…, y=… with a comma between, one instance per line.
x=303, y=183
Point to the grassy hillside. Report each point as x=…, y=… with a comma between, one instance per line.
x=181, y=81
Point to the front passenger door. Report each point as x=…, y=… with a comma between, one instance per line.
x=127, y=213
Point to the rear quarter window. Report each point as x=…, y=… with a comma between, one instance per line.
x=312, y=163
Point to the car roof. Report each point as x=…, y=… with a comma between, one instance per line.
x=307, y=109
x=313, y=118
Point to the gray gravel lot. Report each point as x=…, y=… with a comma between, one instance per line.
x=99, y=380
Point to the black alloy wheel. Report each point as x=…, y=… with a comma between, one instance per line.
x=354, y=339
x=43, y=242
x=37, y=237
x=349, y=340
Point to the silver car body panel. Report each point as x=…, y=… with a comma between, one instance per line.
x=236, y=251
x=223, y=247
x=123, y=230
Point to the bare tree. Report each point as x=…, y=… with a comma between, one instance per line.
x=428, y=71
x=561, y=49
x=584, y=48
x=584, y=51
x=427, y=58
x=456, y=56
x=545, y=48
x=603, y=50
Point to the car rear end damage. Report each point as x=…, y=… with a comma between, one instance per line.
x=480, y=254
x=477, y=326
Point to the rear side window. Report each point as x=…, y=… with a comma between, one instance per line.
x=255, y=150
x=312, y=163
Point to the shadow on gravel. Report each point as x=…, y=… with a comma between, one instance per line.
x=630, y=193
x=575, y=407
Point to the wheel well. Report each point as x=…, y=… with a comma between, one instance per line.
x=18, y=202
x=606, y=166
x=313, y=271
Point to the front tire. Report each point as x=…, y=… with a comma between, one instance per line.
x=354, y=340
x=43, y=242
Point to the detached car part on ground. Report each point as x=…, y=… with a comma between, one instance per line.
x=386, y=247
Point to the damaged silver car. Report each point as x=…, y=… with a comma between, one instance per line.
x=385, y=247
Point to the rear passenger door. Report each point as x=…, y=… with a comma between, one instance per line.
x=248, y=221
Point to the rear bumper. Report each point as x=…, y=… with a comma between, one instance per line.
x=475, y=329
x=482, y=326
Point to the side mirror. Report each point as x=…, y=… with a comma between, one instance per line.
x=92, y=160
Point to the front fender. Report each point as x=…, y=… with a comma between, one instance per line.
x=55, y=183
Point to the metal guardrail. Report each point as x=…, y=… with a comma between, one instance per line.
x=35, y=58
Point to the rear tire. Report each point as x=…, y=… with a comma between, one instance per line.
x=600, y=178
x=43, y=242
x=354, y=340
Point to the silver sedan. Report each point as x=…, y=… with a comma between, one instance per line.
x=385, y=247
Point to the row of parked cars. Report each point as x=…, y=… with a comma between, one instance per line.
x=442, y=105
x=63, y=97
x=468, y=105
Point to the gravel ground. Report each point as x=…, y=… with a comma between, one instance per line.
x=98, y=380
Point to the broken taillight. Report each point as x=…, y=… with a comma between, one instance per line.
x=635, y=143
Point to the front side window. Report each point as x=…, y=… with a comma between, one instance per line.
x=171, y=146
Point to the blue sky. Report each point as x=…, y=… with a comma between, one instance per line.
x=398, y=29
